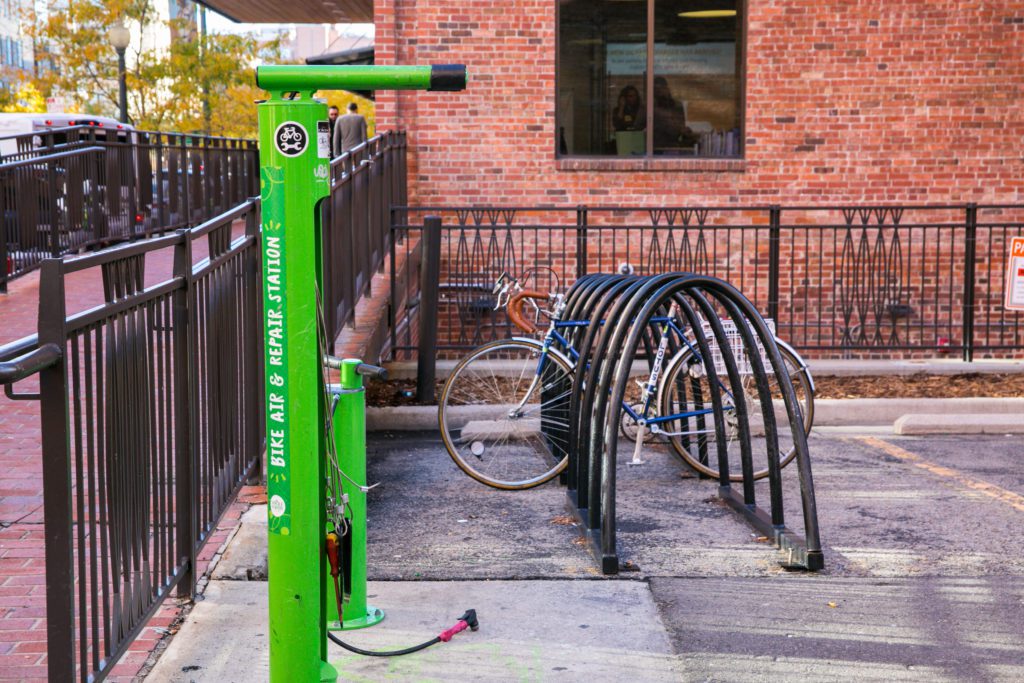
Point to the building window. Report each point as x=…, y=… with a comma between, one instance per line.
x=650, y=77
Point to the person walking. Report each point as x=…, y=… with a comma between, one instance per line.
x=332, y=116
x=350, y=130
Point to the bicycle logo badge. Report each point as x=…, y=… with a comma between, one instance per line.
x=290, y=139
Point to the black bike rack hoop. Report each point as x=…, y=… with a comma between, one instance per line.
x=624, y=305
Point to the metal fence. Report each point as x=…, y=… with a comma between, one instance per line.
x=74, y=188
x=365, y=183
x=848, y=281
x=151, y=403
x=152, y=415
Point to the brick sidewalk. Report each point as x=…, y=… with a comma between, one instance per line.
x=22, y=558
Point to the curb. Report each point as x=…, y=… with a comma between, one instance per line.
x=919, y=425
x=849, y=412
x=406, y=370
x=828, y=412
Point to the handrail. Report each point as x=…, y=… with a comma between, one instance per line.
x=46, y=158
x=29, y=364
x=84, y=127
x=18, y=347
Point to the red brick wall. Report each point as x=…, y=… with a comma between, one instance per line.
x=853, y=101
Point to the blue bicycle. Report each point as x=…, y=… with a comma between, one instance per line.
x=490, y=413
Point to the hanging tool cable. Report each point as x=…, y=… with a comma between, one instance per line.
x=339, y=519
x=467, y=620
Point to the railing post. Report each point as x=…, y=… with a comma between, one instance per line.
x=430, y=274
x=329, y=271
x=51, y=182
x=403, y=178
x=774, y=239
x=185, y=416
x=57, y=504
x=254, y=367
x=186, y=179
x=99, y=207
x=581, y=241
x=970, y=255
x=3, y=231
x=161, y=211
x=393, y=300
x=207, y=175
x=131, y=183
x=254, y=169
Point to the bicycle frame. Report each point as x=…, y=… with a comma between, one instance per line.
x=643, y=418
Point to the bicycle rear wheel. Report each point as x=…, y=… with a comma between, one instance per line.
x=686, y=389
x=504, y=421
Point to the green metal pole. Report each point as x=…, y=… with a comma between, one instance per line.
x=350, y=435
x=294, y=177
x=285, y=78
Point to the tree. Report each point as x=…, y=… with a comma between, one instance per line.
x=26, y=98
x=167, y=87
x=217, y=70
x=78, y=62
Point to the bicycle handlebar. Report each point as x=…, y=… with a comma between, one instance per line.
x=515, y=308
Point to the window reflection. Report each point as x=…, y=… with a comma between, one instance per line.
x=694, y=106
x=696, y=85
x=602, y=54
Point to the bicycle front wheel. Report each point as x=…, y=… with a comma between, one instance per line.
x=504, y=416
x=686, y=390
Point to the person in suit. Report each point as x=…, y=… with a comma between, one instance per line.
x=350, y=130
x=670, y=130
x=332, y=116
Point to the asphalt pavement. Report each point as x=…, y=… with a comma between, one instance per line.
x=924, y=576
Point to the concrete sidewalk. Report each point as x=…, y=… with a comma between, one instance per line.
x=529, y=630
x=671, y=629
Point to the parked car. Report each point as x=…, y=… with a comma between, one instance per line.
x=14, y=129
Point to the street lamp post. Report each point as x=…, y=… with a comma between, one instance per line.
x=119, y=37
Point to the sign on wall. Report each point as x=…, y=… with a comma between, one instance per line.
x=1015, y=276
x=56, y=105
x=630, y=59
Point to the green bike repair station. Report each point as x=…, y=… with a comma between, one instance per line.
x=316, y=435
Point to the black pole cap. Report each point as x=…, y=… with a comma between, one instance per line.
x=447, y=77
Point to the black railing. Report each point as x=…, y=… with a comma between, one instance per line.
x=365, y=183
x=850, y=281
x=151, y=415
x=74, y=188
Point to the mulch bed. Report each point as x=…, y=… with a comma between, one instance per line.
x=403, y=392
x=921, y=386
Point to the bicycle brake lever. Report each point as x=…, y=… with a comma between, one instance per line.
x=499, y=284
